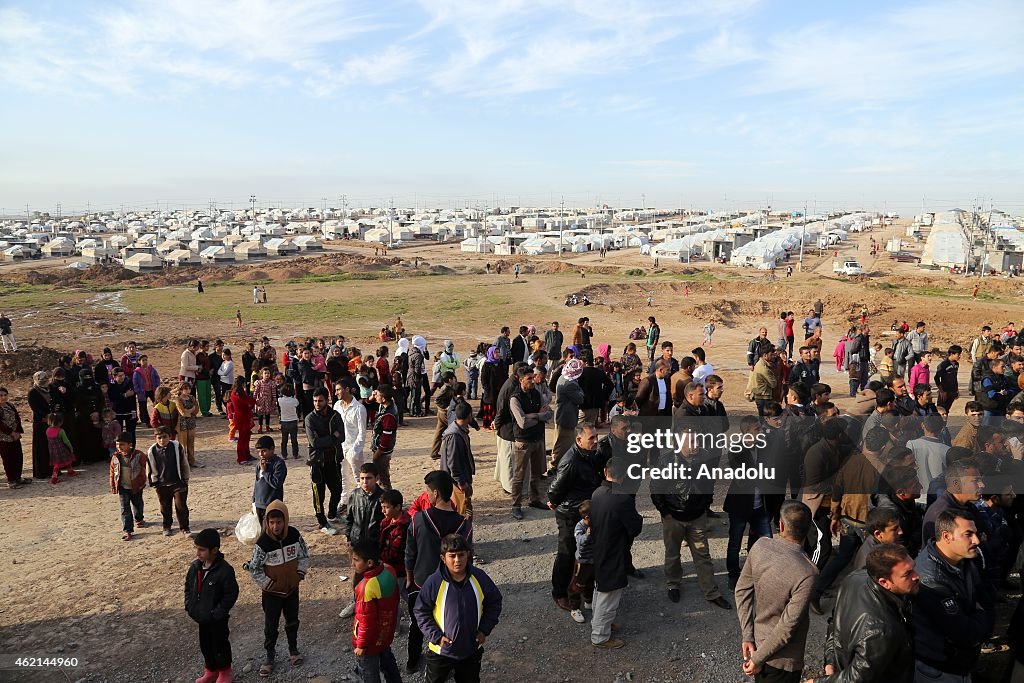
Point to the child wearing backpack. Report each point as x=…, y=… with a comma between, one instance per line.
x=210, y=592
x=279, y=563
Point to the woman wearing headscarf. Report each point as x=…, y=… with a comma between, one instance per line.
x=11, y=433
x=490, y=382
x=421, y=344
x=399, y=373
x=41, y=404
x=88, y=403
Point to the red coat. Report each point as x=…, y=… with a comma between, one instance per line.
x=393, y=534
x=377, y=598
x=383, y=371
x=243, y=406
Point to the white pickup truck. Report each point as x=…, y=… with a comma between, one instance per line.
x=847, y=267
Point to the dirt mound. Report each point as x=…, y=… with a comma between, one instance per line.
x=253, y=276
x=294, y=273
x=28, y=360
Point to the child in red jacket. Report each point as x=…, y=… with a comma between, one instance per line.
x=394, y=529
x=373, y=629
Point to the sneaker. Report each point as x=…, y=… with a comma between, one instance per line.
x=610, y=644
x=349, y=611
x=141, y=523
x=168, y=532
x=577, y=616
x=329, y=530
x=674, y=594
x=126, y=536
x=588, y=605
x=233, y=440
x=517, y=513
x=187, y=533
x=563, y=603
x=332, y=518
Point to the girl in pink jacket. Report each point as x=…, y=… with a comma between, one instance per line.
x=919, y=372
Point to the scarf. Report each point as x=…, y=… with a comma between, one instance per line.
x=492, y=355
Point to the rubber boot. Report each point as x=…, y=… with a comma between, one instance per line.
x=226, y=675
x=209, y=676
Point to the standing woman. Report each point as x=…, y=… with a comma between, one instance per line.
x=11, y=432
x=203, y=388
x=242, y=404
x=399, y=371
x=490, y=382
x=40, y=403
x=89, y=403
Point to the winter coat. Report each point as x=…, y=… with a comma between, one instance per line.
x=362, y=522
x=457, y=454
x=270, y=486
x=210, y=593
x=377, y=598
x=614, y=523
x=279, y=564
x=394, y=533
x=457, y=610
x=132, y=466
x=575, y=481
x=423, y=546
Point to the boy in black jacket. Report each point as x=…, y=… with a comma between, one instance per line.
x=210, y=593
x=363, y=518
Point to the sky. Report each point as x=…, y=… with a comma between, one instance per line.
x=710, y=104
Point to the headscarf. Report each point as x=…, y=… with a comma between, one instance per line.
x=572, y=369
x=492, y=354
x=41, y=379
x=403, y=347
x=449, y=345
x=575, y=351
x=420, y=343
x=605, y=351
x=531, y=330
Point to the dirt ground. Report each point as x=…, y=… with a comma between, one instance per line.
x=74, y=589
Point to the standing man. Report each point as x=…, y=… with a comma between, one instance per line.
x=385, y=432
x=901, y=353
x=353, y=420
x=529, y=417
x=553, y=342
x=653, y=335
x=7, y=335
x=614, y=523
x=326, y=434
x=918, y=339
x=981, y=344
x=654, y=395
x=755, y=349
x=946, y=378
x=504, y=348
x=871, y=624
x=955, y=610
x=773, y=605
x=575, y=482
x=521, y=346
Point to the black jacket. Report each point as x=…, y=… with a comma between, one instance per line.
x=325, y=432
x=868, y=640
x=685, y=499
x=575, y=481
x=756, y=348
x=911, y=519
x=948, y=626
x=504, y=423
x=210, y=594
x=614, y=522
x=519, y=349
x=596, y=388
x=362, y=521
x=946, y=376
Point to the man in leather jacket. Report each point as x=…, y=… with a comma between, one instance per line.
x=871, y=625
x=576, y=479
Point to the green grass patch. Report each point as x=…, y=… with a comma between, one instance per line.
x=635, y=272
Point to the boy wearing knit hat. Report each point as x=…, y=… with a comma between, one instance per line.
x=210, y=592
x=271, y=471
x=279, y=563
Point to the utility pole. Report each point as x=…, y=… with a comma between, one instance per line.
x=252, y=203
x=803, y=236
x=561, y=225
x=391, y=229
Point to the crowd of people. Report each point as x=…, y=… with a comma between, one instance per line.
x=927, y=522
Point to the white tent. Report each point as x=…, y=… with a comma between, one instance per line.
x=476, y=245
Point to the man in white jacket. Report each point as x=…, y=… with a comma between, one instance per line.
x=353, y=417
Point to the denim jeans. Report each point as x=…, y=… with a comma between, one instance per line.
x=759, y=526
x=130, y=501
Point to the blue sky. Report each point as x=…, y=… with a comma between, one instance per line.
x=711, y=104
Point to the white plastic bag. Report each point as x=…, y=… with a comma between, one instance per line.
x=247, y=531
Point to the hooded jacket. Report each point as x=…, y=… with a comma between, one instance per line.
x=270, y=486
x=870, y=635
x=568, y=399
x=377, y=596
x=457, y=610
x=210, y=593
x=132, y=466
x=948, y=626
x=457, y=454
x=279, y=564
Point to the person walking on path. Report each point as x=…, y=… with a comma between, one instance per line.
x=7, y=334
